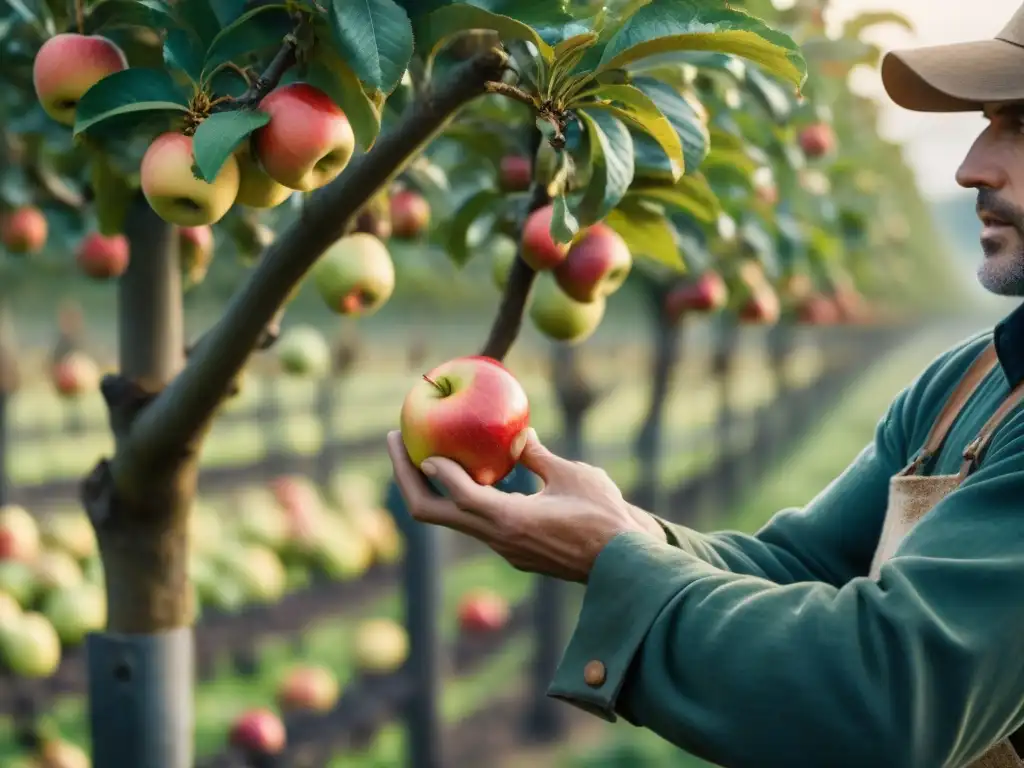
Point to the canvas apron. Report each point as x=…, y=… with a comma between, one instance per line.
x=912, y=495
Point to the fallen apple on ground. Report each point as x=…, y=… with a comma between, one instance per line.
x=258, y=732
x=471, y=410
x=381, y=646
x=483, y=611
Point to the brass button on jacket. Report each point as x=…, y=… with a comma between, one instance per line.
x=594, y=674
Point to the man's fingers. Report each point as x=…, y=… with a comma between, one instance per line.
x=482, y=500
x=539, y=460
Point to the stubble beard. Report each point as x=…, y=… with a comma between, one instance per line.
x=1002, y=271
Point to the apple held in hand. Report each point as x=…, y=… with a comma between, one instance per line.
x=174, y=192
x=540, y=250
x=410, y=214
x=24, y=230
x=708, y=293
x=308, y=141
x=258, y=732
x=560, y=317
x=68, y=65
x=255, y=188
x=470, y=410
x=356, y=275
x=103, y=257
x=596, y=265
x=483, y=611
x=515, y=173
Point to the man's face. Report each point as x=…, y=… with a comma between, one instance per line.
x=995, y=167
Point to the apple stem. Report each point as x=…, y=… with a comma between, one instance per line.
x=444, y=390
x=79, y=17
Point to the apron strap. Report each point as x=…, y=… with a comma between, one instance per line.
x=968, y=384
x=976, y=448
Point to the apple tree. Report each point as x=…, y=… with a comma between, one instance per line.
x=146, y=120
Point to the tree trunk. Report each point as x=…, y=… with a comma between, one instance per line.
x=141, y=667
x=648, y=446
x=723, y=369
x=8, y=386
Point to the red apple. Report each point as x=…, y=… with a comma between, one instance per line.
x=195, y=251
x=540, y=250
x=172, y=189
x=103, y=257
x=596, y=266
x=410, y=214
x=24, y=230
x=470, y=410
x=708, y=293
x=68, y=65
x=817, y=309
x=19, y=534
x=483, y=611
x=301, y=504
x=761, y=307
x=817, y=140
x=308, y=689
x=75, y=374
x=515, y=173
x=258, y=731
x=308, y=141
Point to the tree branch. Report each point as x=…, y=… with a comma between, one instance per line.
x=283, y=60
x=186, y=407
x=509, y=320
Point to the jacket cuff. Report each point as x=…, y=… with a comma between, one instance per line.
x=633, y=579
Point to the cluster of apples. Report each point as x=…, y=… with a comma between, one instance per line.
x=573, y=281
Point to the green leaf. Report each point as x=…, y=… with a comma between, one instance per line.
x=257, y=30
x=691, y=194
x=132, y=91
x=111, y=193
x=184, y=52
x=470, y=210
x=564, y=225
x=112, y=14
x=437, y=27
x=775, y=101
x=647, y=233
x=642, y=112
x=375, y=38
x=198, y=16
x=334, y=77
x=611, y=162
x=686, y=115
x=568, y=54
x=219, y=135
x=681, y=25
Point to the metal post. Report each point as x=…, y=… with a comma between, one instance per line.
x=422, y=590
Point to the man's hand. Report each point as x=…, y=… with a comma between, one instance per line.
x=557, y=532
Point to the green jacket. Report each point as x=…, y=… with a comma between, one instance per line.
x=775, y=650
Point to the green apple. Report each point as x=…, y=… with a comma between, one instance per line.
x=76, y=611
x=381, y=646
x=355, y=276
x=18, y=580
x=303, y=351
x=70, y=531
x=503, y=255
x=560, y=317
x=30, y=646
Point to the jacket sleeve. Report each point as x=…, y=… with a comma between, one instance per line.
x=921, y=668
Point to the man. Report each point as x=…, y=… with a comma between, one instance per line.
x=882, y=625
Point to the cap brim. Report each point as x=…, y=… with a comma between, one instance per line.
x=954, y=78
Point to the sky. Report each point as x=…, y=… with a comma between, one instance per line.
x=936, y=143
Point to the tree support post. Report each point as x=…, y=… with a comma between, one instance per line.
x=141, y=668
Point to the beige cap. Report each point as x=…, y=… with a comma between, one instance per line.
x=960, y=77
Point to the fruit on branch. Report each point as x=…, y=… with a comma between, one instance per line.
x=103, y=257
x=68, y=65
x=75, y=374
x=471, y=410
x=57, y=753
x=255, y=188
x=540, y=250
x=54, y=569
x=708, y=293
x=69, y=531
x=381, y=646
x=174, y=192
x=817, y=309
x=29, y=646
x=19, y=534
x=560, y=317
x=24, y=230
x=195, y=252
x=410, y=214
x=596, y=265
x=75, y=611
x=303, y=351
x=355, y=276
x=795, y=289
x=375, y=219
x=483, y=611
x=503, y=255
x=815, y=182
x=817, y=140
x=765, y=188
x=308, y=689
x=760, y=307
x=308, y=141
x=515, y=173
x=17, y=580
x=850, y=304
x=258, y=732
x=10, y=608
